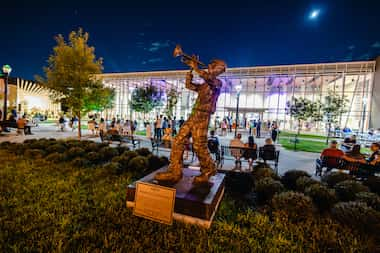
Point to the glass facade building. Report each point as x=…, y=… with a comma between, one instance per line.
x=265, y=91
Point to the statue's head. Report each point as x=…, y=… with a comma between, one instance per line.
x=217, y=67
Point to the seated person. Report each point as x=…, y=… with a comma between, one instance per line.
x=213, y=144
x=346, y=145
x=167, y=138
x=353, y=139
x=354, y=154
x=236, y=152
x=372, y=163
x=331, y=152
x=250, y=153
x=268, y=150
x=21, y=123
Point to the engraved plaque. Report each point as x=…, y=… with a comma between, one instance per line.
x=154, y=202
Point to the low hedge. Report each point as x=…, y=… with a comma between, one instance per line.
x=323, y=197
x=266, y=188
x=289, y=179
x=371, y=199
x=331, y=179
x=294, y=205
x=303, y=182
x=347, y=190
x=358, y=216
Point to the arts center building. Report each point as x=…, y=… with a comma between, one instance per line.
x=28, y=97
x=265, y=91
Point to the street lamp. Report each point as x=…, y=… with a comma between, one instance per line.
x=6, y=71
x=238, y=89
x=364, y=114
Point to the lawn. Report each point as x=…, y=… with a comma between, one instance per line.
x=53, y=199
x=307, y=136
x=303, y=145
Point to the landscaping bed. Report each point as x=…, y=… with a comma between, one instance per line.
x=58, y=196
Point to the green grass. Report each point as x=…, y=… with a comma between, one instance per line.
x=141, y=132
x=303, y=145
x=308, y=136
x=58, y=207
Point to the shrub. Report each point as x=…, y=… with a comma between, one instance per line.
x=130, y=154
x=373, y=183
x=74, y=152
x=143, y=151
x=16, y=148
x=34, y=153
x=122, y=149
x=108, y=153
x=80, y=162
x=266, y=188
x=5, y=144
x=331, y=179
x=346, y=190
x=112, y=167
x=357, y=215
x=93, y=147
x=262, y=171
x=323, y=197
x=154, y=162
x=290, y=177
x=238, y=184
x=294, y=205
x=370, y=198
x=59, y=148
x=138, y=164
x=303, y=182
x=94, y=157
x=74, y=143
x=55, y=157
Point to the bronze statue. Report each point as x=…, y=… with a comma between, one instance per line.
x=197, y=123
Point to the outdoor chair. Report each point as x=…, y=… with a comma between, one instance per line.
x=328, y=162
x=213, y=147
x=270, y=155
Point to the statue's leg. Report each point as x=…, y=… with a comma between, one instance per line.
x=208, y=167
x=174, y=172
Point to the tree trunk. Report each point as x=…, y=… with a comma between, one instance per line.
x=79, y=126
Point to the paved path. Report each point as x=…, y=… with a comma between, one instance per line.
x=288, y=159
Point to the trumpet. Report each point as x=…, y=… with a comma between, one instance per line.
x=185, y=58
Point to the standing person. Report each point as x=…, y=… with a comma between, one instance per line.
x=229, y=124
x=224, y=127
x=174, y=126
x=157, y=129
x=274, y=132
x=258, y=129
x=181, y=121
x=61, y=123
x=102, y=128
x=254, y=127
x=148, y=130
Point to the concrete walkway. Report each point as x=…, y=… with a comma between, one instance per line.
x=288, y=159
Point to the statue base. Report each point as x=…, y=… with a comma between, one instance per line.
x=193, y=204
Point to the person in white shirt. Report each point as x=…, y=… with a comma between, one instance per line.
x=235, y=146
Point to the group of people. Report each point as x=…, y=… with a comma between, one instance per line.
x=350, y=153
x=236, y=144
x=165, y=128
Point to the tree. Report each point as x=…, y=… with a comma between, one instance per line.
x=301, y=109
x=172, y=99
x=333, y=107
x=144, y=99
x=99, y=99
x=70, y=70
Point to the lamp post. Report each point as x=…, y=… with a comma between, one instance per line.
x=6, y=71
x=363, y=117
x=238, y=89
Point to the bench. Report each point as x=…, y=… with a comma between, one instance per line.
x=127, y=139
x=236, y=153
x=271, y=156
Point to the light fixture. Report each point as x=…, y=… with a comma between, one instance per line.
x=238, y=87
x=7, y=69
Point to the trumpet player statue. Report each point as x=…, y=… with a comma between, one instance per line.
x=197, y=123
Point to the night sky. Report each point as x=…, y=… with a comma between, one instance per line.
x=140, y=36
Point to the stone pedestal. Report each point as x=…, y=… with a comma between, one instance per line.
x=193, y=204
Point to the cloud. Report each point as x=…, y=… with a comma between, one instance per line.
x=142, y=34
x=351, y=47
x=364, y=57
x=154, y=60
x=157, y=45
x=376, y=44
x=143, y=62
